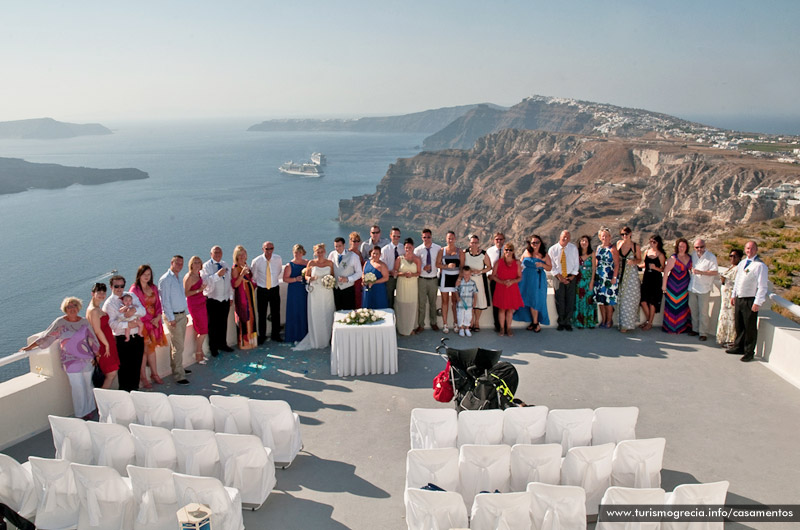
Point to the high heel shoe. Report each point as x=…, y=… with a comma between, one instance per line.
x=145, y=383
x=157, y=380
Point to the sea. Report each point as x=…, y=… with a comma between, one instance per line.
x=211, y=183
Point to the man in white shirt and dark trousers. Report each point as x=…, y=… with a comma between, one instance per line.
x=219, y=298
x=566, y=266
x=428, y=283
x=494, y=253
x=346, y=270
x=704, y=272
x=749, y=294
x=389, y=254
x=173, y=303
x=130, y=351
x=267, y=270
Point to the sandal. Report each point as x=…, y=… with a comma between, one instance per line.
x=538, y=328
x=445, y=329
x=531, y=327
x=145, y=383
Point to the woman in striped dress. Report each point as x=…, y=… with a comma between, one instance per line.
x=677, y=317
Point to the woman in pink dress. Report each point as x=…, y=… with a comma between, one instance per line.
x=244, y=299
x=507, y=273
x=193, y=284
x=153, y=334
x=107, y=357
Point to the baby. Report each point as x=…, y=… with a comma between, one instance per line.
x=465, y=293
x=132, y=322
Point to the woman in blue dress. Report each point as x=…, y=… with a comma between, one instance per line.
x=605, y=282
x=374, y=294
x=533, y=285
x=296, y=296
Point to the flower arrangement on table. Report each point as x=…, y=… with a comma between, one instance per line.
x=369, y=279
x=328, y=281
x=362, y=316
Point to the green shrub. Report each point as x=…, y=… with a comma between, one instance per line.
x=778, y=223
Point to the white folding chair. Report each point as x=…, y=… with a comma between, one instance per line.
x=480, y=427
x=16, y=486
x=428, y=510
x=507, y=511
x=589, y=468
x=225, y=503
x=433, y=428
x=154, y=447
x=570, y=428
x=631, y=496
x=231, y=414
x=71, y=439
x=614, y=424
x=191, y=412
x=115, y=406
x=153, y=409
x=637, y=463
x=697, y=494
x=483, y=468
x=557, y=507
x=247, y=466
x=56, y=494
x=535, y=463
x=112, y=445
x=524, y=425
x=106, y=499
x=155, y=504
x=432, y=466
x=198, y=453
x=278, y=427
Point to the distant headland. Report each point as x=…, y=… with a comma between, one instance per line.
x=48, y=129
x=17, y=175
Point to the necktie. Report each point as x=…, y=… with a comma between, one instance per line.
x=340, y=258
x=428, y=259
x=395, y=253
x=747, y=263
x=269, y=276
x=564, y=262
x=219, y=265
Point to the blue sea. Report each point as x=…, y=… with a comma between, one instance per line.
x=211, y=183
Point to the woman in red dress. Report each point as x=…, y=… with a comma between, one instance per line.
x=147, y=293
x=193, y=284
x=107, y=358
x=507, y=273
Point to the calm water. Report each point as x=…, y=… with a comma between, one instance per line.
x=209, y=184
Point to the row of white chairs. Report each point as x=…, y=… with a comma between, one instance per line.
x=435, y=428
x=550, y=507
x=476, y=468
x=232, y=458
x=57, y=494
x=271, y=420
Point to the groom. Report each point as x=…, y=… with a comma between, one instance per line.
x=346, y=269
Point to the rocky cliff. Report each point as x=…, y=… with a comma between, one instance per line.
x=17, y=175
x=522, y=182
x=48, y=129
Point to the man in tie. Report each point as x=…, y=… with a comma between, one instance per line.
x=749, y=294
x=219, y=299
x=267, y=269
x=389, y=254
x=428, y=284
x=346, y=270
x=173, y=303
x=566, y=265
x=494, y=252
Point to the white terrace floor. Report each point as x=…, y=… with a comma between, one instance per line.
x=723, y=419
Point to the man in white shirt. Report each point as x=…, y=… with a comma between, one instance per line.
x=566, y=265
x=703, y=273
x=346, y=270
x=267, y=271
x=219, y=299
x=494, y=252
x=428, y=283
x=130, y=351
x=749, y=294
x=390, y=253
x=173, y=302
x=375, y=240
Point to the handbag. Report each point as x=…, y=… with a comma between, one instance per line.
x=442, y=387
x=98, y=377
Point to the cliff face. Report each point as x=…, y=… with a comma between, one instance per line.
x=522, y=182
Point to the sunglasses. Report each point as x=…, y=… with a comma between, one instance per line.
x=118, y=286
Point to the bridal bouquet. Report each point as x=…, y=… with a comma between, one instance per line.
x=369, y=279
x=328, y=281
x=362, y=316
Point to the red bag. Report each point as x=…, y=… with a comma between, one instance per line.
x=442, y=388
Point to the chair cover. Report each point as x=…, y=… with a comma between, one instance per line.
x=535, y=463
x=480, y=427
x=115, y=406
x=711, y=493
x=278, y=427
x=432, y=466
x=524, y=425
x=614, y=424
x=506, y=511
x=434, y=510
x=112, y=445
x=637, y=463
x=155, y=504
x=106, y=500
x=71, y=439
x=247, y=466
x=557, y=507
x=154, y=447
x=56, y=494
x=483, y=468
x=153, y=409
x=617, y=495
x=16, y=486
x=231, y=414
x=192, y=412
x=589, y=468
x=198, y=453
x=433, y=428
x=570, y=428
x=225, y=503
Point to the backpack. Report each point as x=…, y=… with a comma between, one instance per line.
x=442, y=387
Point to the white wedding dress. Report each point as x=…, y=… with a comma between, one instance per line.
x=320, y=313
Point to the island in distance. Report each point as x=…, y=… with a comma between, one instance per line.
x=17, y=175
x=48, y=129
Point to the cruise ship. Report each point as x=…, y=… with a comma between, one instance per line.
x=301, y=170
x=319, y=159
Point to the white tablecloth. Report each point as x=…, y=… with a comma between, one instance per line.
x=361, y=350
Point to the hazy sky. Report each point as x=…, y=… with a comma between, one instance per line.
x=95, y=61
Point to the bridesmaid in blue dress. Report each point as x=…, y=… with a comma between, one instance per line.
x=296, y=297
x=533, y=285
x=374, y=294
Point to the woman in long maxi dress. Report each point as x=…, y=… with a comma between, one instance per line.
x=726, y=328
x=406, y=300
x=480, y=265
x=585, y=315
x=296, y=296
x=677, y=316
x=244, y=303
x=630, y=288
x=533, y=285
x=605, y=281
x=374, y=295
x=321, y=306
x=193, y=284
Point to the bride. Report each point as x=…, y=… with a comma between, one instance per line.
x=320, y=302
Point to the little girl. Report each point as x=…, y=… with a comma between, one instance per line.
x=465, y=293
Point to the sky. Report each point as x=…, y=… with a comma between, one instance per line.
x=725, y=62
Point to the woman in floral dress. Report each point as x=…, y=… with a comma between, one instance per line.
x=605, y=281
x=585, y=309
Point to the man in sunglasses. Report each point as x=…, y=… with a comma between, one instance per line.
x=130, y=351
x=375, y=240
x=703, y=273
